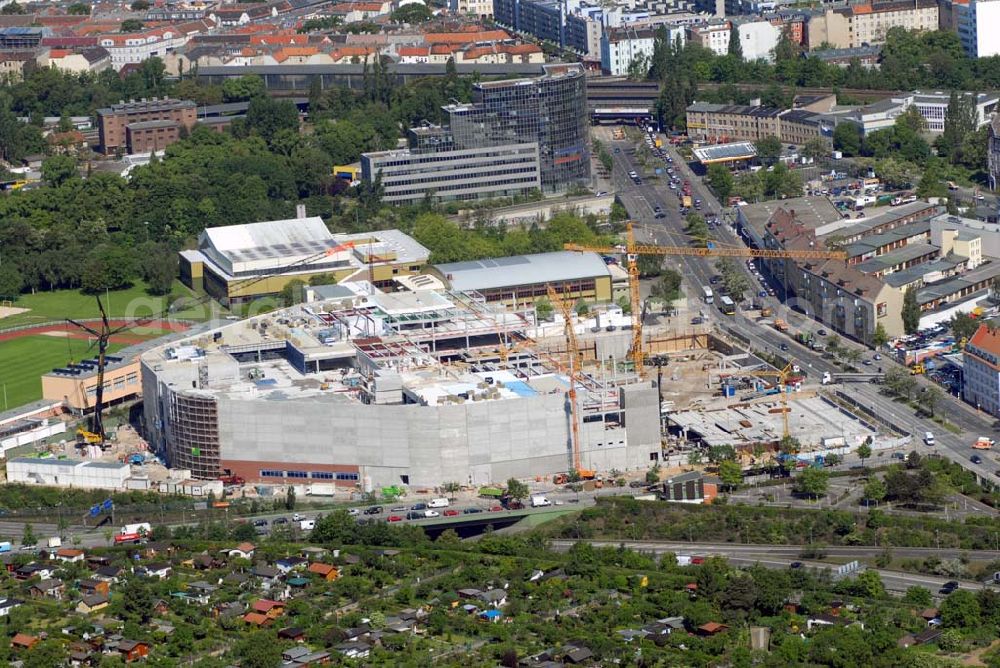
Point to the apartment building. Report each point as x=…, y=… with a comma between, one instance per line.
x=712, y=36
x=121, y=122
x=584, y=33
x=482, y=9
x=867, y=24
x=135, y=47
x=979, y=27
x=993, y=152
x=758, y=38
x=981, y=377
x=620, y=47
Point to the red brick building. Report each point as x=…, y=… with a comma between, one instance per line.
x=139, y=126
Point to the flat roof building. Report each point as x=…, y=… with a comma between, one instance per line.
x=981, y=370
x=151, y=121
x=385, y=389
x=521, y=280
x=240, y=263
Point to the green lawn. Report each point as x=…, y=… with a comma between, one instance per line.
x=23, y=361
x=134, y=302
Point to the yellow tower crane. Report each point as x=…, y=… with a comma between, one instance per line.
x=573, y=350
x=634, y=250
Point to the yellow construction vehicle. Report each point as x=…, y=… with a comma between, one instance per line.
x=634, y=250
x=917, y=369
x=88, y=437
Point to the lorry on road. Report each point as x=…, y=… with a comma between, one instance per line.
x=539, y=500
x=780, y=325
x=307, y=525
x=5, y=546
x=983, y=443
x=139, y=528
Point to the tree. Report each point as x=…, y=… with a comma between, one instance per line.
x=543, y=309
x=869, y=585
x=918, y=596
x=880, y=337
x=290, y=498
x=929, y=399
x=293, y=292
x=911, y=311
x=11, y=9
x=812, y=482
x=963, y=326
x=58, y=169
x=695, y=458
x=78, y=9
x=960, y=610
x=159, y=269
x=816, y=148
x=412, y=13
x=240, y=89
x=959, y=122
x=735, y=47
x=28, y=537
x=136, y=604
x=931, y=183
x=847, y=138
x=140, y=5
x=668, y=287
x=48, y=653
x=653, y=475
x=517, y=490
x=768, y=149
x=107, y=267
x=11, y=281
x=864, y=452
x=267, y=116
x=131, y=25
x=257, y=649
x=721, y=180
x=731, y=473
x=874, y=490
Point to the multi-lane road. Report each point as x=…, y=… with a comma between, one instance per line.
x=783, y=556
x=641, y=202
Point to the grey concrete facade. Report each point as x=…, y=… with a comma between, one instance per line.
x=460, y=174
x=471, y=443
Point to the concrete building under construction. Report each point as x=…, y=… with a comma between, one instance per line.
x=378, y=389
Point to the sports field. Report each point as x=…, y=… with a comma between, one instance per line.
x=24, y=360
x=134, y=302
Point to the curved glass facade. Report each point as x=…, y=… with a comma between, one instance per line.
x=193, y=441
x=550, y=110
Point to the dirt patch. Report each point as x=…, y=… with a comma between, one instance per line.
x=11, y=310
x=975, y=657
x=58, y=335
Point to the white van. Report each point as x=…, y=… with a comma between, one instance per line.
x=929, y=438
x=307, y=525
x=438, y=503
x=538, y=500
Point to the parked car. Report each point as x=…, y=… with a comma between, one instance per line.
x=297, y=518
x=353, y=511
x=496, y=509
x=451, y=512
x=280, y=520
x=472, y=511
x=418, y=506
x=976, y=459
x=373, y=510
x=260, y=523
x=394, y=518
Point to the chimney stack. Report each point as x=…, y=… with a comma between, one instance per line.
x=300, y=210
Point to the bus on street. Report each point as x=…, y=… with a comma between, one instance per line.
x=726, y=305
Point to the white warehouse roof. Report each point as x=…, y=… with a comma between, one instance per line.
x=503, y=272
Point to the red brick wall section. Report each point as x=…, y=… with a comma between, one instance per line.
x=250, y=471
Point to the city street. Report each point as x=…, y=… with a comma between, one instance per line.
x=641, y=200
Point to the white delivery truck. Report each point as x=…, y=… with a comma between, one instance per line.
x=539, y=500
x=139, y=528
x=438, y=503
x=307, y=525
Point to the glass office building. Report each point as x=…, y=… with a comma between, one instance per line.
x=550, y=110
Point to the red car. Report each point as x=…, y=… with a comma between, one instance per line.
x=451, y=512
x=394, y=518
x=496, y=509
